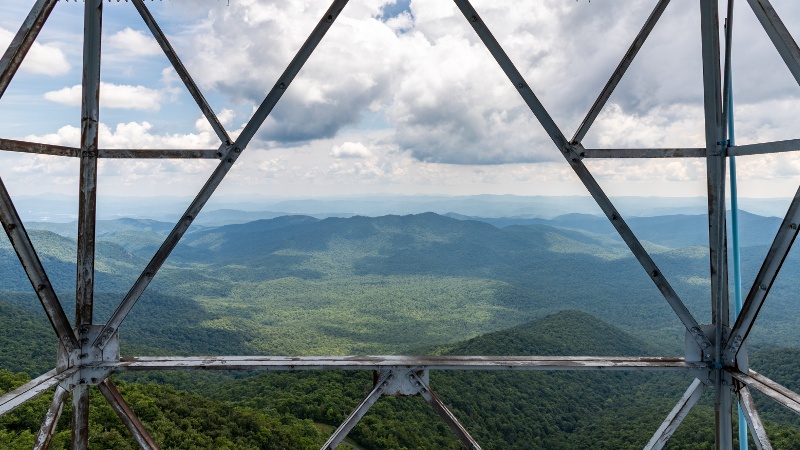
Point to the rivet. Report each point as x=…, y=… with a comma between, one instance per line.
x=614, y=217
x=41, y=287
x=12, y=226
x=219, y=155
x=238, y=150
x=473, y=19
x=763, y=287
x=520, y=85
x=654, y=273
x=329, y=18
x=282, y=85
x=230, y=160
x=793, y=226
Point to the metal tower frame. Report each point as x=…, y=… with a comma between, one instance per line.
x=715, y=355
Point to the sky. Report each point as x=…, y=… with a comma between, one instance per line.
x=401, y=97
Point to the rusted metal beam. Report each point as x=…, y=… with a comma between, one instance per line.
x=31, y=389
x=753, y=420
x=612, y=83
x=643, y=153
x=48, y=427
x=771, y=389
x=572, y=154
x=780, y=36
x=40, y=149
x=14, y=228
x=338, y=436
x=441, y=409
x=765, y=278
x=162, y=40
x=87, y=199
x=387, y=362
x=159, y=154
x=231, y=153
x=87, y=203
x=676, y=416
x=23, y=40
x=791, y=145
x=126, y=414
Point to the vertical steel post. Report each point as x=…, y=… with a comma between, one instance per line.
x=715, y=159
x=87, y=207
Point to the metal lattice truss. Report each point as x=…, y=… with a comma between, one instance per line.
x=89, y=353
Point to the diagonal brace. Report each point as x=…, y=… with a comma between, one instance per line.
x=572, y=155
x=612, y=83
x=35, y=270
x=23, y=41
x=162, y=40
x=338, y=436
x=37, y=386
x=765, y=278
x=753, y=419
x=126, y=414
x=676, y=416
x=48, y=428
x=231, y=153
x=448, y=417
x=779, y=34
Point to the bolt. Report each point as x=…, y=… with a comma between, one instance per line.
x=11, y=226
x=41, y=287
x=94, y=380
x=230, y=160
x=654, y=273
x=473, y=19
x=614, y=217
x=219, y=155
x=282, y=85
x=329, y=18
x=520, y=85
x=763, y=287
x=82, y=381
x=793, y=226
x=83, y=355
x=237, y=150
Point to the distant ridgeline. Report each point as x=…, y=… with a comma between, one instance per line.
x=415, y=284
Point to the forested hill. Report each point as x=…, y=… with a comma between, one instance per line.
x=503, y=410
x=372, y=285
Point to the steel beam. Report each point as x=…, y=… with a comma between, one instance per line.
x=619, y=71
x=126, y=414
x=87, y=200
x=676, y=416
x=31, y=389
x=159, y=154
x=48, y=428
x=716, y=163
x=765, y=278
x=162, y=40
x=80, y=417
x=643, y=153
x=441, y=409
x=771, y=389
x=753, y=420
x=338, y=436
x=40, y=149
x=23, y=41
x=572, y=154
x=780, y=36
x=231, y=153
x=27, y=255
x=389, y=362
x=791, y=145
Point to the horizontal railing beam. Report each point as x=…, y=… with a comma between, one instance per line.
x=386, y=362
x=644, y=153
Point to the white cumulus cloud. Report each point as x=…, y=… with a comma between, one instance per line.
x=350, y=150
x=45, y=59
x=112, y=95
x=134, y=42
